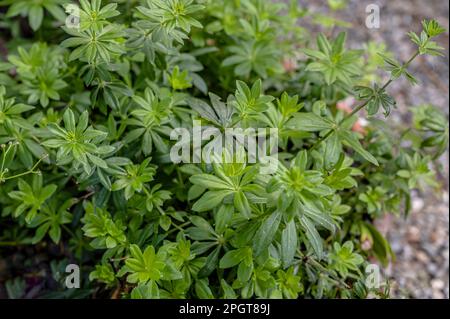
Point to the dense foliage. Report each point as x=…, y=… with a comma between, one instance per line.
x=87, y=105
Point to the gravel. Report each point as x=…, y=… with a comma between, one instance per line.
x=421, y=245
x=420, y=242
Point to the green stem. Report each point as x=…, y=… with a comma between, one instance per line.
x=178, y=227
x=31, y=171
x=68, y=230
x=323, y=138
x=361, y=106
x=4, y=156
x=9, y=243
x=313, y=262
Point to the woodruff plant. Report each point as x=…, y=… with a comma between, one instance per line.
x=86, y=114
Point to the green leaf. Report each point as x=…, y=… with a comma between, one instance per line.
x=241, y=203
x=202, y=289
x=313, y=237
x=309, y=122
x=47, y=191
x=350, y=139
x=234, y=257
x=289, y=243
x=333, y=149
x=209, y=200
x=381, y=246
x=266, y=233
x=320, y=218
x=35, y=16
x=210, y=181
x=228, y=292
x=211, y=263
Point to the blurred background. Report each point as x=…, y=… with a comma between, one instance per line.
x=421, y=242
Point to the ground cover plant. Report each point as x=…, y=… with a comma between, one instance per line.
x=90, y=95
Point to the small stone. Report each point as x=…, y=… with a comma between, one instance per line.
x=438, y=236
x=366, y=245
x=408, y=251
x=437, y=284
x=432, y=268
x=422, y=257
x=445, y=197
x=396, y=245
x=430, y=249
x=417, y=204
x=413, y=234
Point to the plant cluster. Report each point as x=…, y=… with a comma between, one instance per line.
x=88, y=101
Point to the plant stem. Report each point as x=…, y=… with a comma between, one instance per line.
x=67, y=229
x=323, y=138
x=361, y=106
x=178, y=227
x=313, y=262
x=30, y=171
x=4, y=156
x=9, y=243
